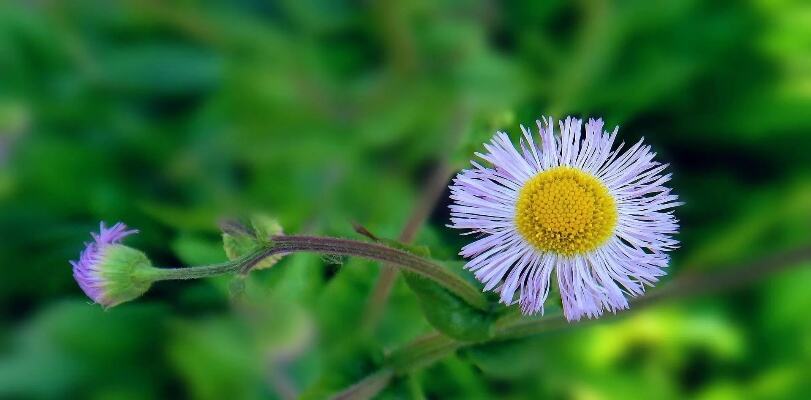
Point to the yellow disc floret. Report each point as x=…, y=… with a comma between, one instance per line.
x=566, y=211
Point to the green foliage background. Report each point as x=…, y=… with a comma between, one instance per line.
x=171, y=115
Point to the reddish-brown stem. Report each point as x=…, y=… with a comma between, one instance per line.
x=377, y=252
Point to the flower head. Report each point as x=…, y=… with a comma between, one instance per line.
x=109, y=272
x=600, y=218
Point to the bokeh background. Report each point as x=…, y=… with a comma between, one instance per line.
x=172, y=115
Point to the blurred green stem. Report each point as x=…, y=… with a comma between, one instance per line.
x=422, y=352
x=431, y=192
x=427, y=349
x=385, y=281
x=366, y=388
x=685, y=286
x=167, y=274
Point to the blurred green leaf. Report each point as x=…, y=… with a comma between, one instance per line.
x=506, y=360
x=162, y=69
x=448, y=313
x=70, y=345
x=217, y=359
x=197, y=250
x=771, y=221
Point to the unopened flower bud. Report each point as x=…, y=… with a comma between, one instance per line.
x=109, y=272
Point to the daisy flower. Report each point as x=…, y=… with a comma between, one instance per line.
x=599, y=217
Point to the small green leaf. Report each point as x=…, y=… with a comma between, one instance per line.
x=237, y=245
x=240, y=242
x=445, y=311
x=265, y=227
x=450, y=314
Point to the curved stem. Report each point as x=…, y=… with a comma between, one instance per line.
x=422, y=352
x=204, y=271
x=378, y=252
x=343, y=247
x=427, y=349
x=367, y=388
x=687, y=285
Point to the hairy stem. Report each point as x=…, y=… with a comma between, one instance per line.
x=335, y=246
x=204, y=271
x=422, y=352
x=166, y=274
x=377, y=252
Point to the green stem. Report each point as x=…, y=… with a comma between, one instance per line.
x=425, y=350
x=377, y=252
x=204, y=271
x=422, y=352
x=335, y=246
x=166, y=274
x=366, y=388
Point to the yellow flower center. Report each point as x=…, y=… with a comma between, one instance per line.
x=566, y=211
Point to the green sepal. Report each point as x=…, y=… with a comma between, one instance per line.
x=128, y=274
